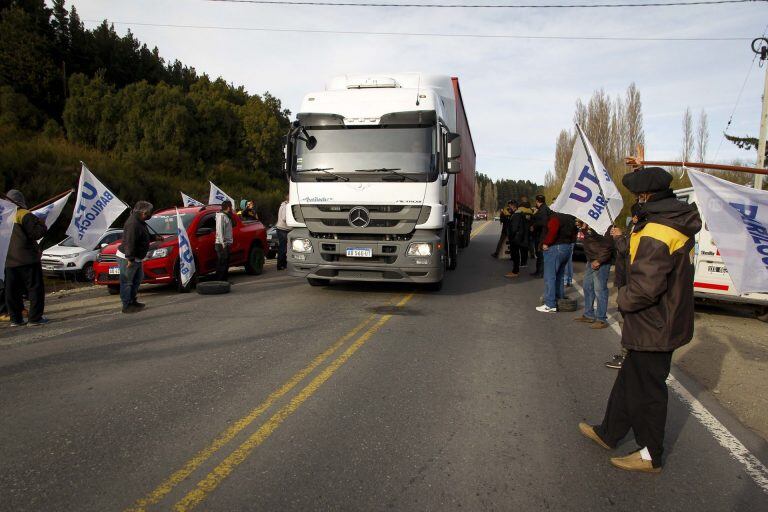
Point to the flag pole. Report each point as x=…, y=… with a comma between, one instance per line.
x=594, y=168
x=51, y=200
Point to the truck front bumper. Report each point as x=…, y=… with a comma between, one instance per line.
x=388, y=262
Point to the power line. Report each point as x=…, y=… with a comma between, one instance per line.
x=491, y=6
x=429, y=34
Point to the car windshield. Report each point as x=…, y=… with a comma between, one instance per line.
x=68, y=242
x=166, y=224
x=365, y=154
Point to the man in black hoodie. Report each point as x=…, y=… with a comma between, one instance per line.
x=656, y=302
x=538, y=231
x=131, y=253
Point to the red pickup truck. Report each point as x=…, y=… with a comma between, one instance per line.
x=162, y=263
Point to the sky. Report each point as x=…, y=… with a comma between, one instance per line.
x=519, y=93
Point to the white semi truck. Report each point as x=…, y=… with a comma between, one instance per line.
x=382, y=177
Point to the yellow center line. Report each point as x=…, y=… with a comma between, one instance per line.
x=205, y=486
x=191, y=465
x=480, y=229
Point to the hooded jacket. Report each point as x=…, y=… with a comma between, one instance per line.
x=657, y=299
x=27, y=230
x=136, y=239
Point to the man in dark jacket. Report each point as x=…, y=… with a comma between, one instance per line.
x=23, y=271
x=538, y=230
x=518, y=233
x=131, y=253
x=599, y=252
x=657, y=305
x=556, y=246
x=504, y=216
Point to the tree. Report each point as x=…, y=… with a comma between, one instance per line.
x=702, y=137
x=688, y=136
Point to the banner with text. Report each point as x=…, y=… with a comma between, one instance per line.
x=50, y=213
x=7, y=219
x=737, y=217
x=218, y=196
x=186, y=258
x=189, y=201
x=96, y=209
x=588, y=194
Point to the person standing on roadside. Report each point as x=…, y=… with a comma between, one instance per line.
x=23, y=271
x=599, y=250
x=224, y=240
x=504, y=216
x=657, y=305
x=282, y=229
x=538, y=230
x=556, y=246
x=519, y=233
x=131, y=252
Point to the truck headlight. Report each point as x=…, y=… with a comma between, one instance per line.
x=420, y=249
x=159, y=253
x=301, y=245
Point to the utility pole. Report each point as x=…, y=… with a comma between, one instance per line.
x=760, y=47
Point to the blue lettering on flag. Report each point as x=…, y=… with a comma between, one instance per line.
x=755, y=228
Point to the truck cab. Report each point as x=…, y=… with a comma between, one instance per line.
x=381, y=171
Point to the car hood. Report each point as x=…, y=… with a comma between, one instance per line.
x=58, y=250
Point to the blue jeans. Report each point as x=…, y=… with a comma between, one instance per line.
x=130, y=279
x=555, y=260
x=568, y=277
x=596, y=287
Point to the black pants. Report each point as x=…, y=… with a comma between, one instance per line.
x=282, y=248
x=639, y=402
x=222, y=265
x=18, y=280
x=3, y=307
x=499, y=252
x=517, y=254
x=523, y=254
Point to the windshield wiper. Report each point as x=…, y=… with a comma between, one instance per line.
x=392, y=170
x=326, y=170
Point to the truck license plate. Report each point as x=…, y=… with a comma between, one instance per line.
x=359, y=252
x=114, y=271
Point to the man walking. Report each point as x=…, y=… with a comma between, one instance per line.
x=657, y=305
x=282, y=230
x=556, y=246
x=223, y=244
x=23, y=271
x=130, y=254
x=599, y=252
x=538, y=230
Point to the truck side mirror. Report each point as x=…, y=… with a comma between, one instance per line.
x=454, y=167
x=454, y=146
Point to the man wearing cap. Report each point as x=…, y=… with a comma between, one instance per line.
x=656, y=302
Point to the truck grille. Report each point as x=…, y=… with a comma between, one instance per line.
x=383, y=219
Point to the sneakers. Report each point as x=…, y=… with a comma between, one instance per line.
x=615, y=362
x=584, y=319
x=18, y=324
x=635, y=462
x=511, y=275
x=37, y=323
x=599, y=324
x=546, y=309
x=588, y=431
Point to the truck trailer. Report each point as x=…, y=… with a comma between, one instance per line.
x=382, y=180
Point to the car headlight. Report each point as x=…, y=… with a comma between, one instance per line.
x=420, y=249
x=67, y=256
x=301, y=245
x=159, y=253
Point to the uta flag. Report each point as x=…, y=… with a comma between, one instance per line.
x=189, y=201
x=96, y=209
x=7, y=219
x=186, y=258
x=588, y=192
x=51, y=212
x=737, y=217
x=218, y=196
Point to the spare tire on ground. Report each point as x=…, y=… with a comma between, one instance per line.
x=567, y=305
x=213, y=287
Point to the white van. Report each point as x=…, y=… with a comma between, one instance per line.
x=711, y=280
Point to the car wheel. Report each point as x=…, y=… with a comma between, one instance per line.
x=213, y=287
x=177, y=281
x=87, y=275
x=113, y=289
x=255, y=263
x=313, y=281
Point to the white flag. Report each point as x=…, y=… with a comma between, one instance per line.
x=186, y=258
x=7, y=219
x=737, y=217
x=189, y=201
x=218, y=196
x=96, y=209
x=589, y=194
x=50, y=213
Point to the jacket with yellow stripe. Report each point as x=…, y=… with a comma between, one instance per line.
x=23, y=248
x=657, y=299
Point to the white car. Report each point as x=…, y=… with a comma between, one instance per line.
x=67, y=259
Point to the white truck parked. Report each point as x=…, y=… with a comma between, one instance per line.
x=382, y=177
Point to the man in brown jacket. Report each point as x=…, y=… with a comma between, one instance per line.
x=657, y=305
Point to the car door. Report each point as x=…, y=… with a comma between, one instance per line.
x=238, y=252
x=203, y=243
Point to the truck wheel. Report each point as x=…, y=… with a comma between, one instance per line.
x=87, y=275
x=113, y=289
x=313, y=281
x=762, y=314
x=213, y=287
x=451, y=248
x=255, y=263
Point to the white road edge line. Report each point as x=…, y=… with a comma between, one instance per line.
x=752, y=465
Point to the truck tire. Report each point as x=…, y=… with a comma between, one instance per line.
x=213, y=287
x=567, y=305
x=313, y=281
x=451, y=248
x=254, y=265
x=113, y=289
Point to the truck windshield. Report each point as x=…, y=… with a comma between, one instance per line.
x=166, y=224
x=362, y=154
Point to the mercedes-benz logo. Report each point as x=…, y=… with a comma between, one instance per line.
x=359, y=217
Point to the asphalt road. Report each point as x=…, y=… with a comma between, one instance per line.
x=280, y=396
